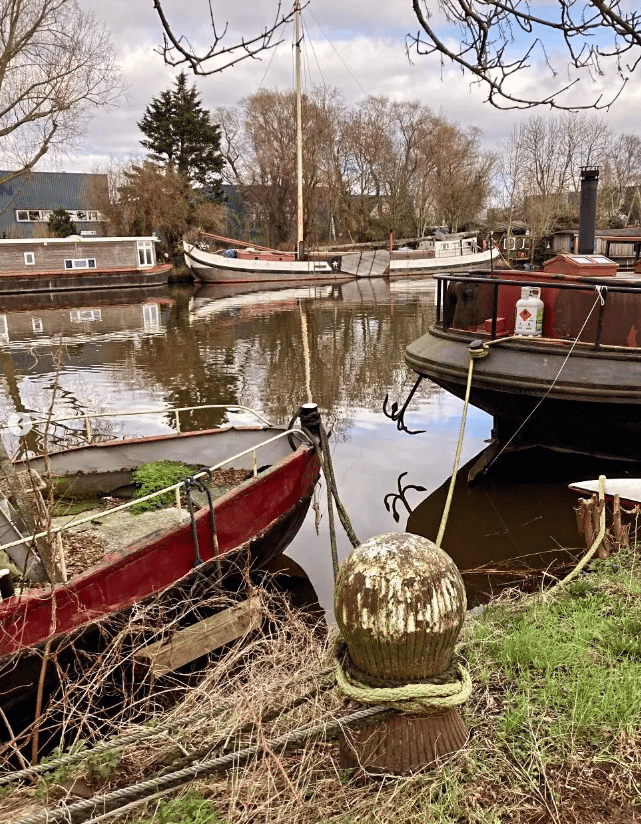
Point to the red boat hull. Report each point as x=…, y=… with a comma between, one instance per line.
x=255, y=522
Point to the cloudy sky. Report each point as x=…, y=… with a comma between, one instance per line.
x=357, y=46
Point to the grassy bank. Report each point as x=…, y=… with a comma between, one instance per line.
x=555, y=721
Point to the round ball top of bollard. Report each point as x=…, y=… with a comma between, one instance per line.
x=399, y=602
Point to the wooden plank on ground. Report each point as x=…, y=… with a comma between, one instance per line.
x=187, y=644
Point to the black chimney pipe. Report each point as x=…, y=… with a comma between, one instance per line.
x=587, y=209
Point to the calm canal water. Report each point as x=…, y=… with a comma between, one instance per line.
x=185, y=345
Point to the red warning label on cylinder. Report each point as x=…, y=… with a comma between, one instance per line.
x=525, y=315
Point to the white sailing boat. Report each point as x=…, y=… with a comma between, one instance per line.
x=252, y=263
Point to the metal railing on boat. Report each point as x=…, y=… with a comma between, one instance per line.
x=177, y=488
x=172, y=411
x=583, y=284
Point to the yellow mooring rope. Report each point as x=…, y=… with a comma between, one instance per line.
x=476, y=353
x=415, y=698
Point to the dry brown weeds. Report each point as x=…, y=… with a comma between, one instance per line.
x=258, y=689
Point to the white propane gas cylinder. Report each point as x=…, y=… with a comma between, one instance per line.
x=529, y=313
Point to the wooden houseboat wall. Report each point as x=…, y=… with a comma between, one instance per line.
x=623, y=246
x=46, y=264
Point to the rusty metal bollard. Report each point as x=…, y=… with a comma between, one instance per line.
x=399, y=602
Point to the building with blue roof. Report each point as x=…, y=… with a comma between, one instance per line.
x=26, y=201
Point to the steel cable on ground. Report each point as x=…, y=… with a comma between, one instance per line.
x=142, y=791
x=141, y=735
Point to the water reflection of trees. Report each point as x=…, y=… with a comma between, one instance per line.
x=255, y=355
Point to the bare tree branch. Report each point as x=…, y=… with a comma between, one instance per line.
x=177, y=50
x=504, y=44
x=57, y=65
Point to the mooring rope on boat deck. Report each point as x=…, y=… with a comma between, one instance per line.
x=142, y=792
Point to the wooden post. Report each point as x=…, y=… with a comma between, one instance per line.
x=400, y=603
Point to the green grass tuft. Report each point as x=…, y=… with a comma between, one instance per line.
x=157, y=475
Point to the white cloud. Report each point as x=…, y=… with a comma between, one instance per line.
x=366, y=55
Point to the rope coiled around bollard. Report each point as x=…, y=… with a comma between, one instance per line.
x=419, y=698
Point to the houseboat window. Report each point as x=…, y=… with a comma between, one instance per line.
x=36, y=324
x=80, y=263
x=150, y=316
x=145, y=253
x=85, y=315
x=29, y=258
x=20, y=215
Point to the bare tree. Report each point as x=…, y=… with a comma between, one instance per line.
x=504, y=43
x=145, y=198
x=620, y=181
x=178, y=50
x=56, y=66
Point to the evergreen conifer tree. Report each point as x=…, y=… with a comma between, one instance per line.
x=60, y=224
x=179, y=132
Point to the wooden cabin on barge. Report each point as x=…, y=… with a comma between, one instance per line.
x=75, y=262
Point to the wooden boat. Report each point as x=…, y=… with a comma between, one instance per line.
x=574, y=385
x=248, y=525
x=458, y=252
x=256, y=264
x=73, y=263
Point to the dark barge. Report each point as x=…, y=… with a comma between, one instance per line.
x=573, y=385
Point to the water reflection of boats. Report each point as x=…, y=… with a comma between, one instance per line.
x=46, y=319
x=413, y=285
x=243, y=298
x=519, y=520
x=365, y=290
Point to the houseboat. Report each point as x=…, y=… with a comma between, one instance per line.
x=75, y=262
x=553, y=356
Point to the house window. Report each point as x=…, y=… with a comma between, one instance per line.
x=145, y=253
x=36, y=324
x=43, y=215
x=85, y=315
x=29, y=258
x=80, y=263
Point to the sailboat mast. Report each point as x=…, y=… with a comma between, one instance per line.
x=299, y=137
